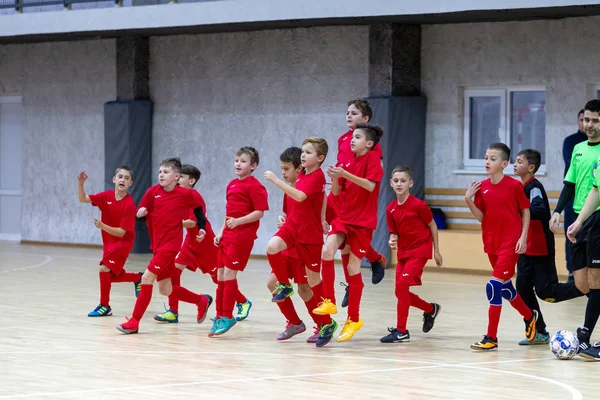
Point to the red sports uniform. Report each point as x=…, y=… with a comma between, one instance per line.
x=199, y=255
x=501, y=205
x=166, y=211
x=357, y=218
x=303, y=228
x=410, y=222
x=344, y=158
x=117, y=214
x=243, y=197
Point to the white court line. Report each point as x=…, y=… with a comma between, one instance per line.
x=47, y=259
x=576, y=394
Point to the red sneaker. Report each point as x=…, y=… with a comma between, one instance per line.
x=131, y=326
x=315, y=336
x=203, y=310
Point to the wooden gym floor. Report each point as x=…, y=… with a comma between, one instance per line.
x=49, y=348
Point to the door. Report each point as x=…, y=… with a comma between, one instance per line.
x=10, y=168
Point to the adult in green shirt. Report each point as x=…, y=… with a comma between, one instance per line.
x=584, y=233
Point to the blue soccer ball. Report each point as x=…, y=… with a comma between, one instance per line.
x=564, y=345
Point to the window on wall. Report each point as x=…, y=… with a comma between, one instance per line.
x=515, y=116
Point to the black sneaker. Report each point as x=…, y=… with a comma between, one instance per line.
x=585, y=350
x=395, y=336
x=583, y=336
x=429, y=318
x=345, y=301
x=326, y=333
x=378, y=269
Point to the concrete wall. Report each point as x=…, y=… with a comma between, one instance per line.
x=64, y=86
x=269, y=89
x=557, y=54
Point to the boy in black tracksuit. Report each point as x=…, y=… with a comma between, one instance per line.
x=536, y=268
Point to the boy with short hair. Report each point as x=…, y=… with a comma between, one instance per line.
x=165, y=206
x=193, y=255
x=503, y=210
x=536, y=267
x=247, y=200
x=117, y=223
x=290, y=163
x=414, y=234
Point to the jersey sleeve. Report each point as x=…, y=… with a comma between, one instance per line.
x=571, y=175
x=285, y=204
x=390, y=221
x=315, y=185
x=128, y=218
x=98, y=200
x=478, y=201
x=195, y=200
x=377, y=150
x=424, y=213
x=147, y=200
x=374, y=169
x=259, y=197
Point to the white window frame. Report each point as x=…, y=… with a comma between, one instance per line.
x=474, y=165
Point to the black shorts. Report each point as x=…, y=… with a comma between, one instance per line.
x=537, y=269
x=586, y=251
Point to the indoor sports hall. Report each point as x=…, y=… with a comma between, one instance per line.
x=90, y=86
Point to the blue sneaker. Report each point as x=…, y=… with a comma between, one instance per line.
x=326, y=333
x=224, y=325
x=243, y=310
x=283, y=292
x=137, y=286
x=101, y=311
x=214, y=327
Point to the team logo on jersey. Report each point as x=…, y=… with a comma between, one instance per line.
x=109, y=202
x=595, y=169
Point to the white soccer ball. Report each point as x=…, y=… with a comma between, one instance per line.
x=564, y=345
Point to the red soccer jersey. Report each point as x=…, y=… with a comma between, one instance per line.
x=190, y=237
x=501, y=205
x=359, y=206
x=345, y=154
x=166, y=211
x=305, y=218
x=243, y=197
x=117, y=214
x=409, y=221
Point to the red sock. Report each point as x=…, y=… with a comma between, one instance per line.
x=219, y=295
x=127, y=277
x=240, y=298
x=328, y=275
x=310, y=306
x=317, y=296
x=142, y=302
x=355, y=290
x=277, y=263
x=372, y=255
x=519, y=305
x=417, y=302
x=493, y=321
x=175, y=281
x=403, y=304
x=105, y=285
x=345, y=261
x=289, y=312
x=230, y=290
x=187, y=296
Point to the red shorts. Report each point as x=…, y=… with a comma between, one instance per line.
x=162, y=264
x=308, y=254
x=411, y=269
x=234, y=254
x=296, y=269
x=504, y=265
x=357, y=237
x=203, y=256
x=114, y=262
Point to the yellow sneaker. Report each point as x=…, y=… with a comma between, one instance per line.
x=485, y=344
x=349, y=329
x=326, y=308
